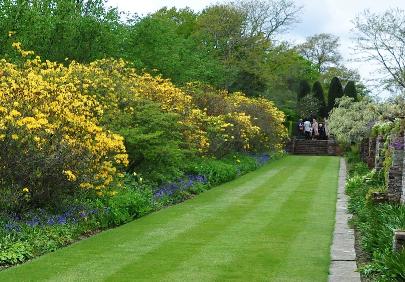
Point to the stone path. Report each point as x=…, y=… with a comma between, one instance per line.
x=343, y=256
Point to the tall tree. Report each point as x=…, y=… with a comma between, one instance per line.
x=381, y=38
x=269, y=17
x=317, y=92
x=220, y=28
x=321, y=50
x=350, y=90
x=303, y=90
x=335, y=92
x=164, y=42
x=57, y=29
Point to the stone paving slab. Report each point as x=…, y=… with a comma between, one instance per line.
x=343, y=271
x=343, y=256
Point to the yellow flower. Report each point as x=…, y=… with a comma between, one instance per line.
x=25, y=190
x=70, y=175
x=14, y=137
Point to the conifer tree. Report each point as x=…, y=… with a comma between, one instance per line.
x=317, y=92
x=350, y=90
x=335, y=92
x=303, y=90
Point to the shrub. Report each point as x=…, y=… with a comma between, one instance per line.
x=153, y=140
x=352, y=121
x=51, y=142
x=239, y=123
x=128, y=204
x=308, y=106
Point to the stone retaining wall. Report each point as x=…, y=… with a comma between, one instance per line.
x=371, y=152
x=379, y=157
x=395, y=177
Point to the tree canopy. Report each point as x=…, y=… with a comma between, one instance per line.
x=321, y=50
x=380, y=38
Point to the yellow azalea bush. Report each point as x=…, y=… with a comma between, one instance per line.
x=118, y=87
x=265, y=116
x=242, y=123
x=50, y=137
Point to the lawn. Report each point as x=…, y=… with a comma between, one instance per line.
x=274, y=224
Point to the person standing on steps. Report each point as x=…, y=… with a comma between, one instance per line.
x=307, y=129
x=300, y=127
x=315, y=131
x=322, y=132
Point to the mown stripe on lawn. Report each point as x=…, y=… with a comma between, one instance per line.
x=314, y=238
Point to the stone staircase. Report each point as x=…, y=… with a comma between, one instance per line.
x=313, y=147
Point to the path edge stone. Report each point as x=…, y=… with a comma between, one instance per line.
x=343, y=265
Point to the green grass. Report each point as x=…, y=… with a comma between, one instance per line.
x=274, y=224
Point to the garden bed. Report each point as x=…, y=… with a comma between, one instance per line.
x=375, y=224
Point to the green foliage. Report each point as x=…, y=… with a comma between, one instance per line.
x=382, y=128
x=59, y=29
x=303, y=90
x=350, y=90
x=217, y=172
x=12, y=252
x=335, y=92
x=322, y=51
x=308, y=106
x=164, y=42
x=132, y=201
x=284, y=71
x=317, y=92
x=376, y=223
x=352, y=121
x=153, y=140
x=224, y=170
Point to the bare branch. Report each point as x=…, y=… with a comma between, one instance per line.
x=268, y=18
x=381, y=38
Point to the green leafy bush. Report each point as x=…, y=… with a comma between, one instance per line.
x=153, y=139
x=376, y=223
x=13, y=252
x=132, y=201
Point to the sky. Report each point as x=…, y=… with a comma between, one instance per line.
x=318, y=16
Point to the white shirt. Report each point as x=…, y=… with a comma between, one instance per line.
x=307, y=126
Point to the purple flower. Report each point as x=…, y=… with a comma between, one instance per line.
x=33, y=222
x=62, y=219
x=51, y=221
x=398, y=143
x=180, y=185
x=12, y=227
